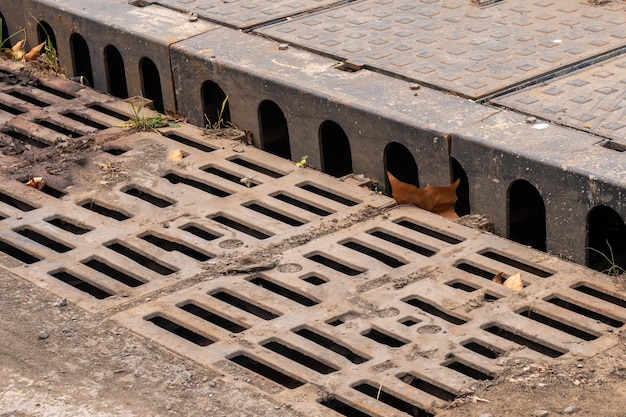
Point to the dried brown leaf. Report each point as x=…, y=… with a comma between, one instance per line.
x=439, y=200
x=498, y=278
x=514, y=282
x=34, y=52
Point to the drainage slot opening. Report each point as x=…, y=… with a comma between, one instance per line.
x=285, y=292
x=43, y=240
x=460, y=285
x=26, y=139
x=482, y=349
x=274, y=130
x=55, y=92
x=151, y=83
x=112, y=272
x=327, y=194
x=175, y=179
x=468, y=370
x=526, y=215
x=334, y=264
x=516, y=264
x=402, y=242
x=314, y=279
x=373, y=253
x=199, y=231
x=548, y=321
x=66, y=277
x=109, y=112
x=299, y=357
x=427, y=387
x=17, y=253
x=409, y=321
x=342, y=408
x=331, y=345
x=266, y=371
x=435, y=311
x=240, y=227
x=84, y=120
x=212, y=318
x=180, y=331
x=274, y=214
x=115, y=151
x=614, y=146
x=524, y=341
x=28, y=99
x=244, y=305
x=148, y=197
x=453, y=240
x=568, y=305
x=189, y=142
x=14, y=202
x=10, y=110
x=170, y=246
x=601, y=295
x=391, y=400
x=255, y=167
x=383, y=338
x=97, y=208
x=52, y=192
x=140, y=259
x=227, y=176
x=301, y=204
x=348, y=67
x=473, y=269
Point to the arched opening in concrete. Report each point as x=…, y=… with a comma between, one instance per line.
x=151, y=83
x=4, y=32
x=115, y=73
x=274, y=130
x=462, y=206
x=45, y=33
x=526, y=215
x=213, y=98
x=335, y=150
x=81, y=60
x=606, y=239
x=401, y=164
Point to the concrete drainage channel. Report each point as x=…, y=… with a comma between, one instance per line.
x=321, y=292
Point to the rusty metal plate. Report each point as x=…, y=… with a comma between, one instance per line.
x=458, y=46
x=591, y=99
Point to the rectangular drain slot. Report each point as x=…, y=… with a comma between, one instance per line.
x=58, y=128
x=189, y=142
x=70, y=279
x=171, y=246
x=100, y=209
x=84, y=120
x=180, y=331
x=299, y=357
x=110, y=271
x=482, y=349
x=380, y=393
x=474, y=270
x=524, y=341
x=28, y=99
x=427, y=387
x=52, y=192
x=453, y=240
x=68, y=225
x=327, y=194
x=228, y=176
x=301, y=204
x=14, y=202
x=10, y=110
x=548, y=321
x=17, y=253
x=383, y=338
x=109, y=112
x=274, y=214
x=568, y=305
x=233, y=224
x=468, y=370
x=266, y=371
x=55, y=92
x=211, y=317
x=342, y=408
x=285, y=292
x=200, y=232
x=402, y=242
x=147, y=196
x=461, y=285
x=491, y=254
x=202, y=186
x=329, y=344
x=373, y=253
x=255, y=167
x=601, y=295
x=140, y=258
x=43, y=240
x=26, y=139
x=314, y=279
x=435, y=311
x=334, y=264
x=244, y=305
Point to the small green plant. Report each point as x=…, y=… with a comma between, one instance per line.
x=614, y=269
x=220, y=117
x=51, y=59
x=140, y=121
x=302, y=162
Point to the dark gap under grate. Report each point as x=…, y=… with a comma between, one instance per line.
x=342, y=408
x=228, y=222
x=601, y=295
x=79, y=284
x=516, y=264
x=181, y=331
x=403, y=243
x=373, y=253
x=331, y=345
x=594, y=315
x=11, y=110
x=482, y=349
x=226, y=175
x=474, y=270
x=266, y=371
x=244, y=305
x=17, y=253
x=453, y=240
x=140, y=259
x=26, y=139
x=28, y=99
x=334, y=264
x=383, y=338
x=409, y=321
x=274, y=214
x=460, y=285
x=112, y=272
x=53, y=192
x=170, y=246
x=189, y=142
x=202, y=186
x=327, y=194
x=301, y=204
x=14, y=202
x=109, y=112
x=314, y=280
x=84, y=120
x=148, y=197
x=55, y=92
x=43, y=240
x=299, y=357
x=255, y=167
x=524, y=341
x=381, y=394
x=435, y=311
x=200, y=232
x=59, y=129
x=211, y=317
x=68, y=226
x=115, y=151
x=467, y=370
x=285, y=292
x=427, y=387
x=548, y=321
x=97, y=208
